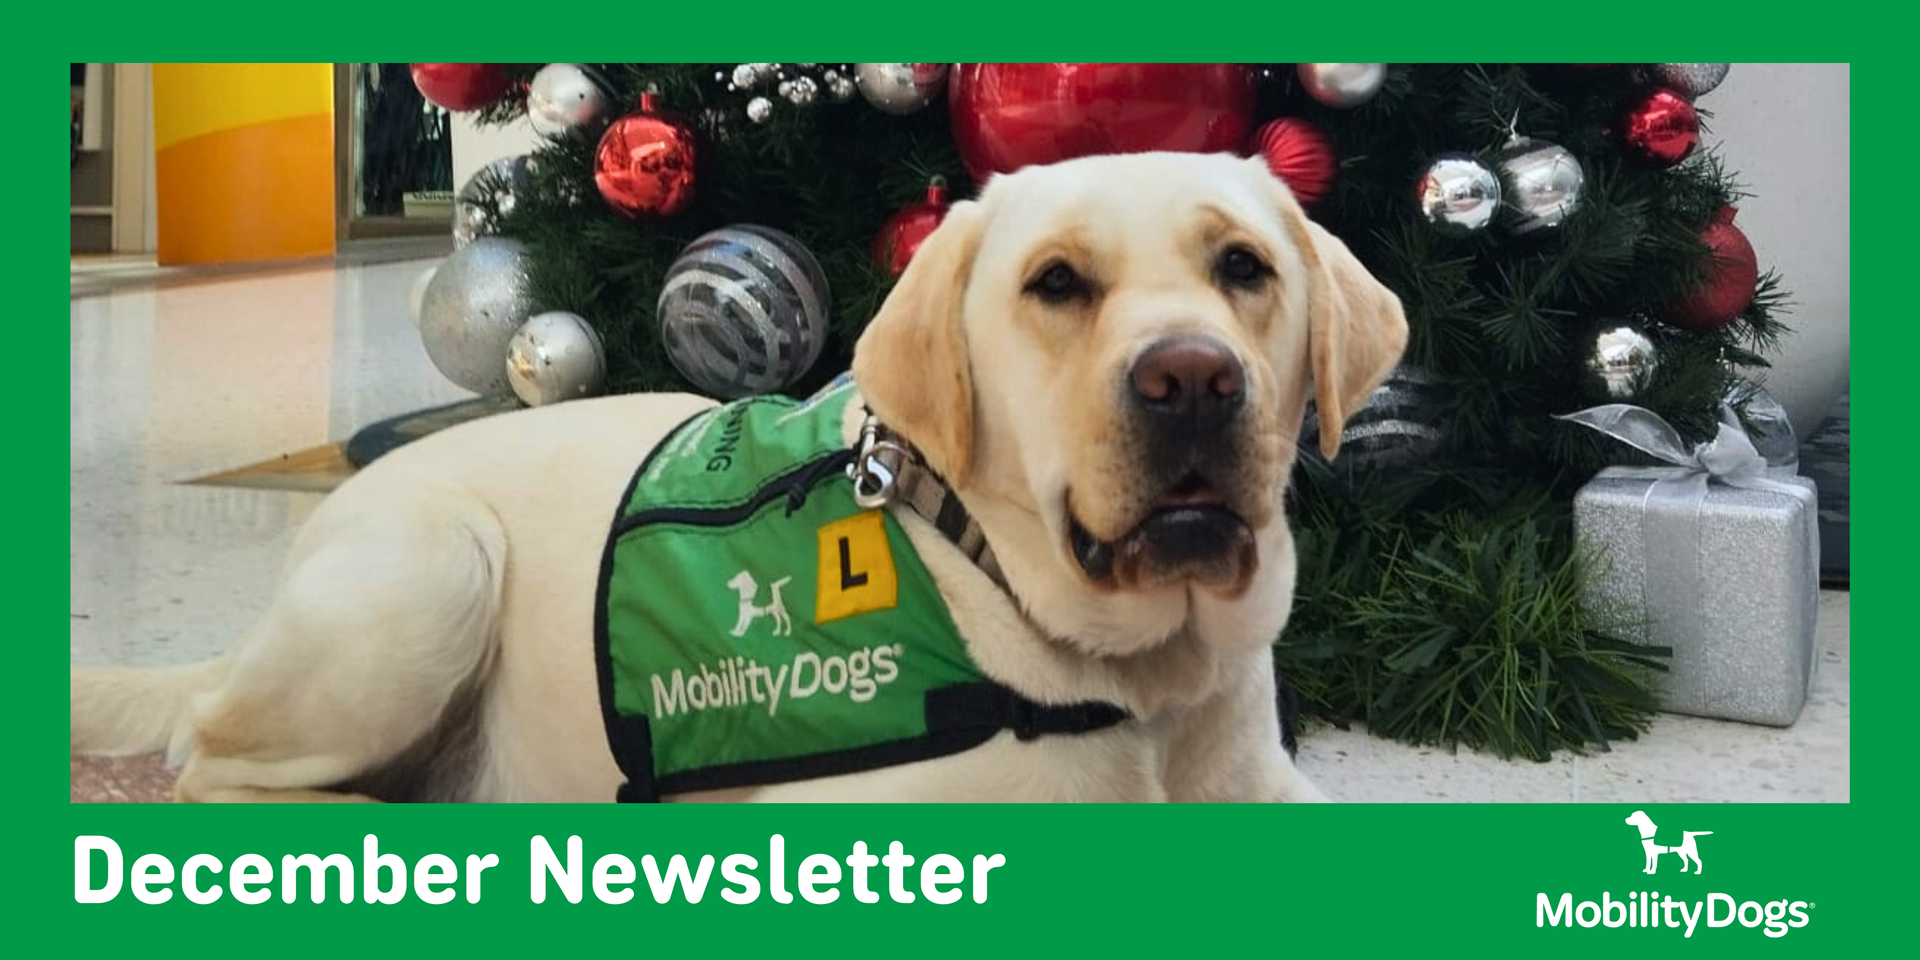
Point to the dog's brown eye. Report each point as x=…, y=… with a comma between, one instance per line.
x=1240, y=267
x=1059, y=283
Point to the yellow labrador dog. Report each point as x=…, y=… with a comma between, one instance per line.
x=1107, y=359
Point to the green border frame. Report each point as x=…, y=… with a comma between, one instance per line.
x=1362, y=879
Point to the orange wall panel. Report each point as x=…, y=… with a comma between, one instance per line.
x=243, y=168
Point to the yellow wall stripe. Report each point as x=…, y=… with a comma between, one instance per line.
x=195, y=99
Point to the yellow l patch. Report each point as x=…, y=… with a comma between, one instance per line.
x=856, y=568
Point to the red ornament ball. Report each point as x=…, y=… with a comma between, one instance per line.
x=461, y=86
x=1729, y=286
x=1661, y=126
x=905, y=231
x=644, y=165
x=1300, y=155
x=1008, y=115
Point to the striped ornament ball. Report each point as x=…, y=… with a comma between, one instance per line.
x=1398, y=425
x=744, y=311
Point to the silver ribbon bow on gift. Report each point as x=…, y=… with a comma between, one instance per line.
x=1673, y=592
x=1729, y=457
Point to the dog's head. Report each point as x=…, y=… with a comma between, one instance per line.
x=1121, y=349
x=1641, y=820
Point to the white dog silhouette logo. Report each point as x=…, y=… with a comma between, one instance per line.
x=1687, y=849
x=748, y=588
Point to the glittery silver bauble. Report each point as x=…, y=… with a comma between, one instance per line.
x=759, y=109
x=1399, y=423
x=556, y=356
x=1620, y=360
x=1342, y=84
x=1458, y=194
x=493, y=187
x=840, y=88
x=567, y=96
x=1693, y=80
x=800, y=91
x=899, y=87
x=744, y=311
x=474, y=304
x=746, y=76
x=418, y=294
x=1543, y=182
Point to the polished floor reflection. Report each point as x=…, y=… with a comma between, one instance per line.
x=173, y=382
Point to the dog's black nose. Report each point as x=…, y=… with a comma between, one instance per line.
x=1193, y=380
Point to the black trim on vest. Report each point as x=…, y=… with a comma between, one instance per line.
x=958, y=717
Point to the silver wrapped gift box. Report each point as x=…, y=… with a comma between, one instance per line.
x=1715, y=557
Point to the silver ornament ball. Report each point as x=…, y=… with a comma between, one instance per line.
x=567, y=96
x=840, y=89
x=900, y=88
x=1620, y=360
x=744, y=311
x=556, y=356
x=759, y=109
x=1692, y=80
x=1342, y=85
x=418, y=294
x=1543, y=183
x=1458, y=195
x=746, y=76
x=494, y=187
x=470, y=223
x=800, y=91
x=472, y=307
x=1399, y=423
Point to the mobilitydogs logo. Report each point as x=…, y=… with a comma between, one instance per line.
x=1650, y=908
x=742, y=681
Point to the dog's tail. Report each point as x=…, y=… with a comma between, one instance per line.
x=1695, y=833
x=118, y=711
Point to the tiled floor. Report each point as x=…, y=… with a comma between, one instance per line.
x=177, y=380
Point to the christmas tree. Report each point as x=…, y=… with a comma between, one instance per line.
x=1555, y=235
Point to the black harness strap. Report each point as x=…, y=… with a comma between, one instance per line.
x=990, y=706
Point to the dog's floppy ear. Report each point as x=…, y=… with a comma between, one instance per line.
x=911, y=363
x=1356, y=327
x=1356, y=333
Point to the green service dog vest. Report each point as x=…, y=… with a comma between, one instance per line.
x=755, y=625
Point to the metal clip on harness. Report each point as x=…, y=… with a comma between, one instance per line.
x=876, y=466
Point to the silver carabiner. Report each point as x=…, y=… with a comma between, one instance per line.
x=874, y=479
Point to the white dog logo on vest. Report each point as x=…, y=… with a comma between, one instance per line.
x=748, y=588
x=1687, y=850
